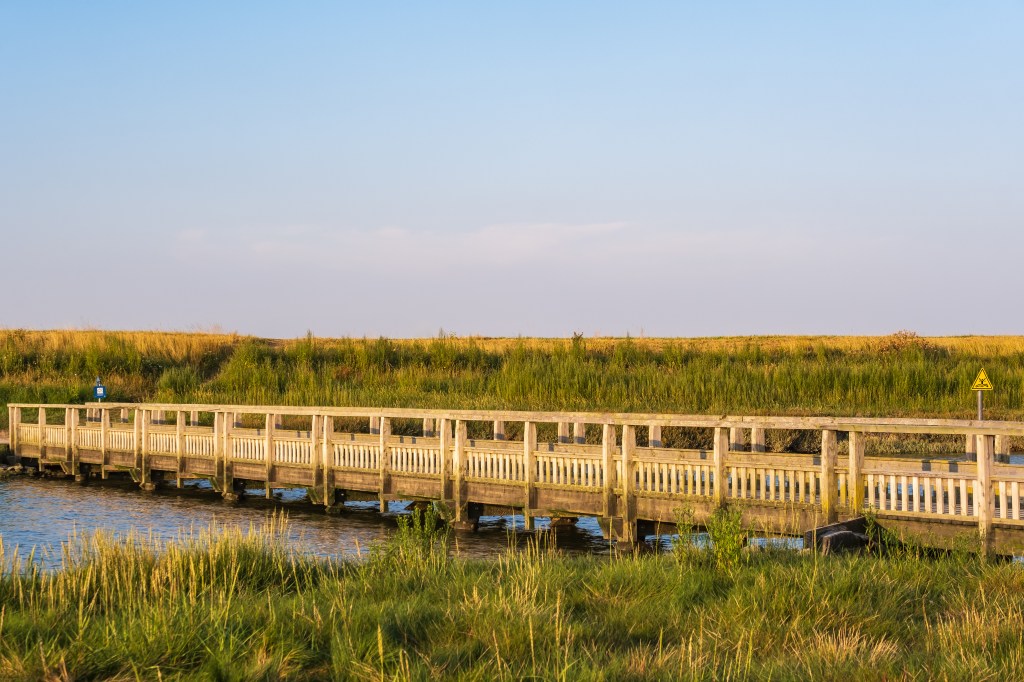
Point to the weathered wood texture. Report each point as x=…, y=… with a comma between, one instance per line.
x=622, y=484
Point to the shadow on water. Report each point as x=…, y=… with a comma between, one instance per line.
x=42, y=514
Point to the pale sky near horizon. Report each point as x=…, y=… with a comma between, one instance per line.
x=364, y=169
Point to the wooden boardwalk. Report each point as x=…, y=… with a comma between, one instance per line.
x=592, y=467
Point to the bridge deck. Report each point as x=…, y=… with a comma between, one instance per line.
x=629, y=488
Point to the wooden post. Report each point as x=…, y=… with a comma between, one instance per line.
x=193, y=418
x=983, y=498
x=721, y=449
x=608, y=447
x=529, y=448
x=735, y=438
x=104, y=441
x=137, y=441
x=971, y=447
x=218, y=450
x=757, y=440
x=14, y=421
x=67, y=434
x=428, y=427
x=629, y=534
x=563, y=432
x=229, y=422
x=458, y=467
x=1002, y=451
x=829, y=492
x=374, y=425
x=579, y=433
x=444, y=433
x=124, y=415
x=41, y=421
x=268, y=447
x=179, y=433
x=315, y=460
x=855, y=476
x=499, y=430
x=327, y=456
x=654, y=436
x=384, y=428
x=146, y=475
x=73, y=442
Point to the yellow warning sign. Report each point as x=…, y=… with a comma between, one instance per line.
x=982, y=383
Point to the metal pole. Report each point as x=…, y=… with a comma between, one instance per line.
x=980, y=405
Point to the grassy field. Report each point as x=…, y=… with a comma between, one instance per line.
x=897, y=375
x=227, y=606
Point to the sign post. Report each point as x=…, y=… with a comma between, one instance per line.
x=99, y=391
x=981, y=384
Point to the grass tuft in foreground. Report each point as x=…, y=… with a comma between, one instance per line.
x=227, y=605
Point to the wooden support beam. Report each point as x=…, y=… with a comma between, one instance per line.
x=374, y=425
x=146, y=474
x=757, y=441
x=984, y=502
x=608, y=447
x=579, y=433
x=179, y=436
x=429, y=430
x=384, y=430
x=104, y=442
x=193, y=418
x=124, y=415
x=229, y=423
x=563, y=432
x=444, y=434
x=269, y=423
x=718, y=478
x=529, y=448
x=855, y=474
x=736, y=438
x=499, y=429
x=459, y=469
x=829, y=483
x=327, y=456
x=628, y=508
x=654, y=436
x=971, y=447
x=41, y=423
x=316, y=461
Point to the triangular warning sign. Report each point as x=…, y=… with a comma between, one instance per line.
x=982, y=383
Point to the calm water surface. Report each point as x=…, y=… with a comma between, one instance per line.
x=41, y=514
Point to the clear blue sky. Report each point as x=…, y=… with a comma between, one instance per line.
x=525, y=168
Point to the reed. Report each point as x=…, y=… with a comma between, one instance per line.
x=230, y=605
x=898, y=375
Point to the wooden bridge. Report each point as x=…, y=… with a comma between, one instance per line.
x=345, y=454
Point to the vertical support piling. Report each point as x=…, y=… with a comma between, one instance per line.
x=104, y=442
x=757, y=441
x=327, y=456
x=654, y=436
x=563, y=432
x=384, y=429
x=855, y=476
x=268, y=448
x=499, y=429
x=629, y=530
x=608, y=447
x=458, y=469
x=720, y=451
x=735, y=438
x=983, y=498
x=529, y=448
x=579, y=433
x=829, y=487
x=179, y=437
x=444, y=446
x=429, y=430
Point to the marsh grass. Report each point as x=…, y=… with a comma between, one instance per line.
x=896, y=375
x=228, y=605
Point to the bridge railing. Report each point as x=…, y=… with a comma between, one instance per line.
x=986, y=490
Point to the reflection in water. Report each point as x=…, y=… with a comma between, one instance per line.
x=42, y=514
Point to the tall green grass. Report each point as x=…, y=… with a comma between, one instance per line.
x=234, y=606
x=899, y=375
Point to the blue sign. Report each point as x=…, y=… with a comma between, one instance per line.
x=99, y=391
